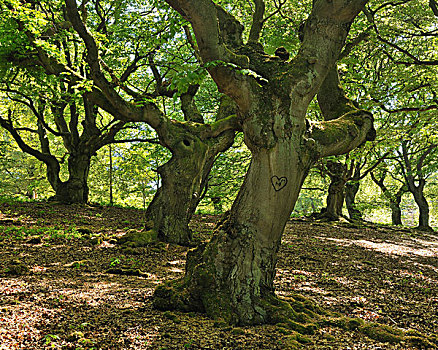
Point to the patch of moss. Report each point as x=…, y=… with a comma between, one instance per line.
x=308, y=329
x=283, y=329
x=293, y=314
x=296, y=341
x=421, y=342
x=238, y=331
x=17, y=268
x=383, y=333
x=135, y=238
x=171, y=316
x=290, y=342
x=173, y=296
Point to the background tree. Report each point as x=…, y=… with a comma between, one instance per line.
x=415, y=164
x=21, y=175
x=76, y=125
x=393, y=195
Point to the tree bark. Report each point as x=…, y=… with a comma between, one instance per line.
x=396, y=213
x=336, y=192
x=184, y=176
x=75, y=189
x=174, y=203
x=417, y=190
x=351, y=190
x=232, y=277
x=423, y=207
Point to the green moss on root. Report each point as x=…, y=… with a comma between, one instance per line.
x=383, y=333
x=135, y=238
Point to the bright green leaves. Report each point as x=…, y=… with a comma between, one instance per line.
x=181, y=80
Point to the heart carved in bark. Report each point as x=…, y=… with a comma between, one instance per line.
x=278, y=182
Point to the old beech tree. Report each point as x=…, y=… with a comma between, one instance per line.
x=232, y=276
x=101, y=83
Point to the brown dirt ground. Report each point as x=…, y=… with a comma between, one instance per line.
x=59, y=295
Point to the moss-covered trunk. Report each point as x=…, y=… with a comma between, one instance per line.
x=183, y=181
x=231, y=277
x=184, y=176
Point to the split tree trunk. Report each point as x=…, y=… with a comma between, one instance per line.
x=75, y=189
x=231, y=277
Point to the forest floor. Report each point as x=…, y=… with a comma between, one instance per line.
x=61, y=287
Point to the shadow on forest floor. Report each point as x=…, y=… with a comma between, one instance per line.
x=56, y=292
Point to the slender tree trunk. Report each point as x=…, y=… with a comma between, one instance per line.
x=394, y=200
x=423, y=207
x=111, y=199
x=396, y=213
x=351, y=190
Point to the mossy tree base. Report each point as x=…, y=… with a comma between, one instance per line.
x=296, y=316
x=295, y=313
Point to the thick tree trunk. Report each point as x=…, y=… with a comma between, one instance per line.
x=173, y=205
x=351, y=190
x=75, y=189
x=336, y=191
x=232, y=278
